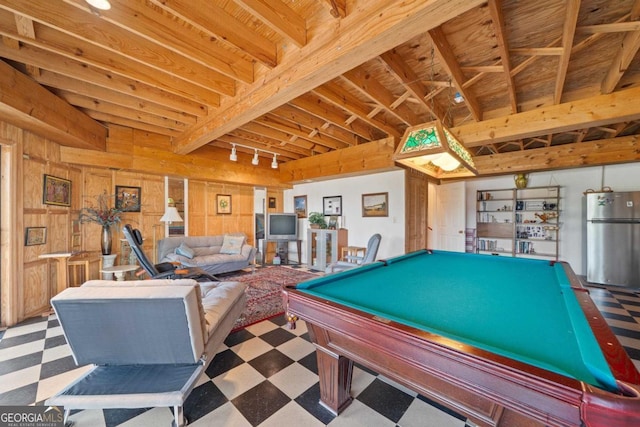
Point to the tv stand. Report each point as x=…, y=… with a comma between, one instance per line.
x=282, y=249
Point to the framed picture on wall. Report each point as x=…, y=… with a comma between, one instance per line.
x=375, y=204
x=332, y=205
x=35, y=236
x=272, y=202
x=128, y=199
x=300, y=206
x=223, y=204
x=56, y=191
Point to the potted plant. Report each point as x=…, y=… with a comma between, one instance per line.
x=316, y=220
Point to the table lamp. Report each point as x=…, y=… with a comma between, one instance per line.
x=171, y=214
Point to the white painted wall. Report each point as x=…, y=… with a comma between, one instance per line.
x=573, y=183
x=360, y=229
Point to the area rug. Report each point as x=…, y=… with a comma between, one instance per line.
x=264, y=291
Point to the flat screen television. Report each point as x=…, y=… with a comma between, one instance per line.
x=282, y=226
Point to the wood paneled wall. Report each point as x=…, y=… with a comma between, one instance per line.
x=29, y=282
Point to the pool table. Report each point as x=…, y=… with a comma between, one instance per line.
x=504, y=341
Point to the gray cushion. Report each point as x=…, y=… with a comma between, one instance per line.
x=185, y=251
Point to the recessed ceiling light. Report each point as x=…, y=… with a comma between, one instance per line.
x=99, y=4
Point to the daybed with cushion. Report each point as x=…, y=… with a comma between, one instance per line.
x=149, y=340
x=213, y=254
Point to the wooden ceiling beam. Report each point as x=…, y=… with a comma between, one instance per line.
x=374, y=27
x=298, y=145
x=63, y=48
x=448, y=61
x=28, y=105
x=279, y=17
x=405, y=75
x=618, y=27
x=74, y=69
x=624, y=56
x=130, y=123
x=58, y=81
x=340, y=138
x=537, y=51
x=136, y=17
x=337, y=8
x=102, y=43
x=313, y=104
x=375, y=156
x=495, y=9
x=94, y=104
x=359, y=79
x=214, y=20
x=343, y=99
x=25, y=28
x=319, y=141
x=588, y=112
x=594, y=153
x=568, y=30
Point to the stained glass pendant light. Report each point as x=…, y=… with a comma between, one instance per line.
x=432, y=149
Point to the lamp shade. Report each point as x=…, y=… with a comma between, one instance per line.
x=432, y=149
x=171, y=215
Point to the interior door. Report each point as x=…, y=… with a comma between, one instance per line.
x=450, y=217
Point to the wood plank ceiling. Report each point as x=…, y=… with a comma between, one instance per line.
x=558, y=78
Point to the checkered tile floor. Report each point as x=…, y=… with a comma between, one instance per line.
x=263, y=376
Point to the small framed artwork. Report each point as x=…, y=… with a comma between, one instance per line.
x=333, y=222
x=300, y=206
x=35, y=236
x=56, y=191
x=375, y=204
x=128, y=199
x=223, y=204
x=272, y=202
x=332, y=205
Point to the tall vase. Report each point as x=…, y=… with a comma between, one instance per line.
x=521, y=180
x=105, y=240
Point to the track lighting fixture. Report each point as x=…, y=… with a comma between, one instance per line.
x=255, y=160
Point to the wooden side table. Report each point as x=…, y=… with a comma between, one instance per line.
x=352, y=251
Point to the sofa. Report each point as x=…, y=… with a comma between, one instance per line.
x=213, y=254
x=148, y=341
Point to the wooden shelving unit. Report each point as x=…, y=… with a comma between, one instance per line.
x=518, y=222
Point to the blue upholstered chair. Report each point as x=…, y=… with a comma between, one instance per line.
x=355, y=261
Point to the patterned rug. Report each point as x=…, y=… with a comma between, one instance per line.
x=264, y=291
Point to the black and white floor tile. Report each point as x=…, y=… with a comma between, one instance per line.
x=264, y=375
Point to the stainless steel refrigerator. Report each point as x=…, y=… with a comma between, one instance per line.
x=613, y=238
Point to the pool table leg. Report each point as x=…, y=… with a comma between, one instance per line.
x=334, y=373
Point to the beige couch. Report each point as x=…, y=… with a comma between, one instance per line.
x=208, y=252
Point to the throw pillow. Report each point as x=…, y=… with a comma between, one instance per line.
x=185, y=251
x=231, y=245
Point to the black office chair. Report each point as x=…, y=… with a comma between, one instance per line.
x=164, y=270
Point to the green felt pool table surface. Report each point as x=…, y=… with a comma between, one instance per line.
x=524, y=309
